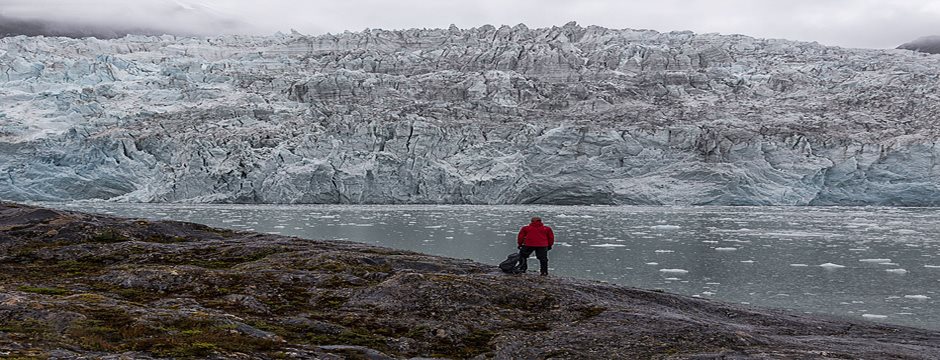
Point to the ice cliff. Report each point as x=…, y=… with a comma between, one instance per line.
x=561, y=115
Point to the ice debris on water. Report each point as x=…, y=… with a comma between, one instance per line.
x=897, y=271
x=674, y=271
x=725, y=248
x=831, y=266
x=665, y=227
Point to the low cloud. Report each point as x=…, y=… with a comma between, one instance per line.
x=851, y=23
x=112, y=18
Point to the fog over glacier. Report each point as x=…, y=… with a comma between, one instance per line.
x=489, y=115
x=850, y=23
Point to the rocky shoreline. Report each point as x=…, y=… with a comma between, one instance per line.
x=81, y=286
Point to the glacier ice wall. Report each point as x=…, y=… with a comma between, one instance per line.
x=561, y=115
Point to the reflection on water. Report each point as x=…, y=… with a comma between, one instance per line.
x=881, y=264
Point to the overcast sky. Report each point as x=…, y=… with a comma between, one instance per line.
x=851, y=23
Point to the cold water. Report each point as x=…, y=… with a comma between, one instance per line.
x=879, y=264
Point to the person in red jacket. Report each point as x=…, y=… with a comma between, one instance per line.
x=538, y=238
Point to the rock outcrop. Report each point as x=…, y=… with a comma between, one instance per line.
x=561, y=115
x=74, y=285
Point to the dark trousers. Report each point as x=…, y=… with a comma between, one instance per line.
x=541, y=253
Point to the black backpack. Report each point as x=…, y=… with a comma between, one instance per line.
x=511, y=264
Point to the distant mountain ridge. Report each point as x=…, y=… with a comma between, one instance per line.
x=30, y=27
x=489, y=115
x=927, y=44
x=149, y=18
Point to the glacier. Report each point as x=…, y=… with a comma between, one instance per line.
x=488, y=115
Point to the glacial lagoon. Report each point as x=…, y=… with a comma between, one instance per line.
x=875, y=263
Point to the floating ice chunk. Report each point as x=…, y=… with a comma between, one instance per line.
x=672, y=279
x=897, y=271
x=355, y=224
x=574, y=216
x=932, y=266
x=799, y=234
x=434, y=226
x=748, y=261
x=875, y=260
x=707, y=293
x=665, y=227
x=709, y=241
x=798, y=265
x=608, y=245
x=888, y=264
x=917, y=297
x=725, y=248
x=831, y=266
x=664, y=251
x=859, y=249
x=674, y=271
x=652, y=263
x=874, y=316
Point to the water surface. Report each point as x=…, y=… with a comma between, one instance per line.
x=880, y=264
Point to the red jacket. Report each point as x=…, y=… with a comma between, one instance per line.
x=536, y=234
